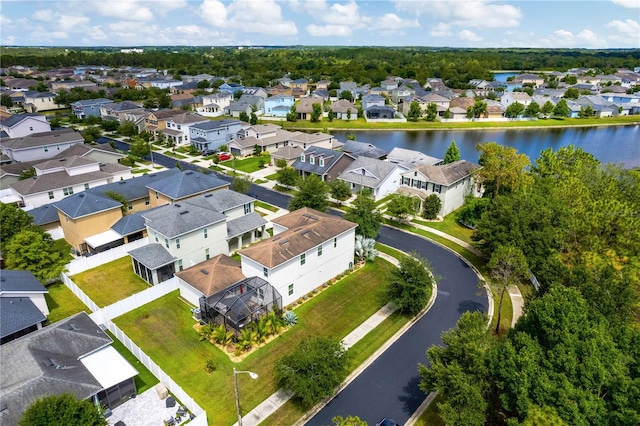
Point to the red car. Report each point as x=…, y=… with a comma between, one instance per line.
x=224, y=156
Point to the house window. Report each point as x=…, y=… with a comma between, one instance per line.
x=204, y=233
x=51, y=195
x=265, y=271
x=179, y=127
x=335, y=242
x=155, y=234
x=67, y=191
x=180, y=268
x=303, y=259
x=129, y=206
x=147, y=201
x=312, y=160
x=157, y=196
x=206, y=254
x=86, y=186
x=319, y=250
x=247, y=208
x=30, y=129
x=437, y=188
x=322, y=162
x=290, y=289
x=178, y=243
x=166, y=242
x=302, y=158
x=405, y=180
x=46, y=149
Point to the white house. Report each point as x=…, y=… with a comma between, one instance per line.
x=40, y=146
x=21, y=125
x=214, y=105
x=450, y=182
x=380, y=177
x=510, y=97
x=177, y=127
x=40, y=101
x=308, y=249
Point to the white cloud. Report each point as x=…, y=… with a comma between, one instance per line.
x=329, y=30
x=564, y=38
x=391, y=21
x=468, y=13
x=165, y=6
x=441, y=30
x=589, y=37
x=43, y=15
x=130, y=10
x=630, y=4
x=97, y=34
x=628, y=28
x=213, y=12
x=311, y=7
x=342, y=14
x=266, y=19
x=467, y=35
x=68, y=22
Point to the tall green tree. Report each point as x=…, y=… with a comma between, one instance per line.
x=316, y=113
x=508, y=267
x=244, y=116
x=452, y=154
x=432, y=111
x=571, y=93
x=5, y=100
x=91, y=133
x=12, y=220
x=365, y=213
x=139, y=148
x=532, y=110
x=242, y=183
x=33, y=250
x=339, y=189
x=547, y=108
x=287, y=176
x=62, y=409
x=514, y=110
x=431, y=207
x=128, y=128
x=561, y=109
x=312, y=193
x=503, y=169
x=401, y=206
x=411, y=284
x=414, y=111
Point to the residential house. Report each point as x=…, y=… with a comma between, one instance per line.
x=21, y=125
x=380, y=177
x=510, y=97
x=187, y=184
x=20, y=84
x=231, y=87
x=411, y=159
x=304, y=108
x=214, y=105
x=177, y=127
x=323, y=84
x=278, y=105
x=481, y=84
x=450, y=182
x=299, y=83
x=209, y=136
x=462, y=103
x=344, y=110
x=247, y=104
x=60, y=177
x=601, y=107
x=457, y=113
x=192, y=231
x=389, y=85
x=117, y=110
x=435, y=84
x=357, y=149
x=280, y=89
x=372, y=100
x=322, y=94
x=256, y=91
x=269, y=137
x=441, y=102
x=401, y=92
x=68, y=85
x=530, y=79
x=40, y=101
x=71, y=356
x=23, y=307
x=325, y=163
x=287, y=153
x=376, y=112
x=40, y=146
x=494, y=110
x=349, y=86
x=156, y=121
x=88, y=107
x=308, y=249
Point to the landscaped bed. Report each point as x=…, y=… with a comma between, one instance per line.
x=164, y=330
x=110, y=282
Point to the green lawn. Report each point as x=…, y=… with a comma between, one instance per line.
x=110, y=282
x=265, y=206
x=248, y=165
x=63, y=247
x=335, y=311
x=145, y=380
x=431, y=416
x=273, y=176
x=450, y=226
x=62, y=302
x=175, y=155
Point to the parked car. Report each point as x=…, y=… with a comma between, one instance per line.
x=387, y=422
x=222, y=156
x=208, y=152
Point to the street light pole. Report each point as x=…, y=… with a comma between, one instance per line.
x=235, y=381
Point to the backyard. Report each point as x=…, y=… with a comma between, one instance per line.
x=249, y=164
x=110, y=282
x=335, y=311
x=62, y=302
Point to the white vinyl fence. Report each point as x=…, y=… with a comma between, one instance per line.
x=84, y=263
x=78, y=292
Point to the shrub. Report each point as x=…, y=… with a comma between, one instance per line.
x=290, y=318
x=431, y=207
x=210, y=366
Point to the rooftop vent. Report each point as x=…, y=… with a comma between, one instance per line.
x=310, y=216
x=188, y=173
x=208, y=195
x=286, y=240
x=204, y=271
x=177, y=205
x=81, y=195
x=184, y=212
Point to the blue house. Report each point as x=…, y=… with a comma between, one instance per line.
x=88, y=107
x=278, y=105
x=231, y=87
x=208, y=136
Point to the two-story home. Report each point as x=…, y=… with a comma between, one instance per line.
x=88, y=107
x=450, y=182
x=117, y=110
x=510, y=97
x=40, y=101
x=189, y=232
x=71, y=356
x=529, y=79
x=307, y=249
x=214, y=105
x=325, y=163
x=401, y=92
x=372, y=100
x=21, y=125
x=208, y=136
x=278, y=105
x=299, y=83
x=380, y=177
x=280, y=89
x=255, y=91
x=23, y=307
x=40, y=146
x=177, y=127
x=246, y=104
x=231, y=87
x=156, y=121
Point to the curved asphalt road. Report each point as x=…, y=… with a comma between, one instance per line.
x=389, y=386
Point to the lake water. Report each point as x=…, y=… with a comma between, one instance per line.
x=503, y=76
x=609, y=144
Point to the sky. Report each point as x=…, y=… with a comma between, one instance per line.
x=452, y=23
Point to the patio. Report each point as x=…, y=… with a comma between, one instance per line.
x=147, y=409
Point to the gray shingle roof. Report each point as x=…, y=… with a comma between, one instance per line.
x=369, y=172
x=243, y=224
x=44, y=215
x=135, y=188
x=411, y=158
x=152, y=256
x=31, y=365
x=56, y=180
x=187, y=184
x=448, y=174
x=16, y=118
x=89, y=102
x=45, y=138
x=365, y=149
x=220, y=201
x=213, y=125
x=22, y=281
x=173, y=220
x=329, y=156
x=85, y=203
x=18, y=313
x=129, y=224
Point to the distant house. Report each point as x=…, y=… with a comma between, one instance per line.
x=305, y=107
x=410, y=158
x=88, y=107
x=357, y=149
x=280, y=89
x=231, y=87
x=40, y=146
x=372, y=100
x=117, y=110
x=376, y=112
x=401, y=92
x=23, y=307
x=510, y=97
x=325, y=163
x=278, y=105
x=529, y=79
x=211, y=135
x=380, y=177
x=189, y=232
x=256, y=91
x=214, y=105
x=21, y=125
x=247, y=104
x=177, y=127
x=307, y=249
x=269, y=137
x=71, y=356
x=450, y=182
x=40, y=101
x=344, y=110
x=299, y=83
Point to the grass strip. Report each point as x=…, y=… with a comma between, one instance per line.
x=62, y=302
x=145, y=380
x=265, y=206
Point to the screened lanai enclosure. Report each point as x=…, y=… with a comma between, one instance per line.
x=240, y=304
